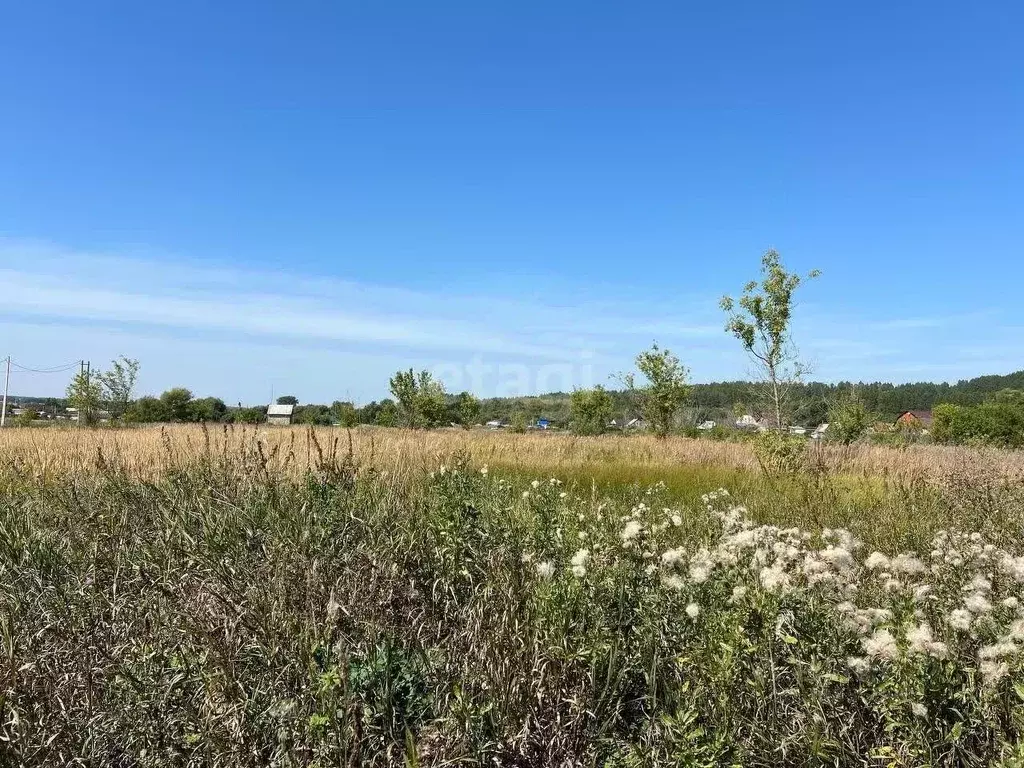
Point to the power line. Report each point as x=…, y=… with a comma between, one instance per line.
x=54, y=369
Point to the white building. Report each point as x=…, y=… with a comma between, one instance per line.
x=280, y=414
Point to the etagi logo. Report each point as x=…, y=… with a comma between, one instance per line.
x=512, y=379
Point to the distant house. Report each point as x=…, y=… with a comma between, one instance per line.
x=543, y=423
x=914, y=419
x=97, y=415
x=706, y=426
x=819, y=432
x=746, y=421
x=797, y=430
x=495, y=424
x=635, y=424
x=280, y=414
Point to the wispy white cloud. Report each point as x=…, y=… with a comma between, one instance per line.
x=47, y=284
x=228, y=321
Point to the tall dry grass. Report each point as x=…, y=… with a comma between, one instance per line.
x=150, y=450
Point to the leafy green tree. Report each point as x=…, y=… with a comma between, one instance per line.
x=404, y=388
x=344, y=413
x=117, y=385
x=465, y=410
x=1009, y=396
x=254, y=415
x=175, y=403
x=146, y=410
x=517, y=424
x=26, y=418
x=84, y=393
x=848, y=418
x=431, y=401
x=287, y=400
x=318, y=415
x=207, y=409
x=590, y=410
x=421, y=398
x=367, y=414
x=993, y=423
x=388, y=414
x=665, y=392
x=760, y=319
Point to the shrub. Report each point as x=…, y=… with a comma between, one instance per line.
x=780, y=453
x=994, y=423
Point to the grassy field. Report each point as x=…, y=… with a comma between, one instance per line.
x=286, y=597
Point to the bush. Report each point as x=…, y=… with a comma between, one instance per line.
x=994, y=423
x=780, y=453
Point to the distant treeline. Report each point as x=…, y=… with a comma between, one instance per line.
x=716, y=401
x=721, y=400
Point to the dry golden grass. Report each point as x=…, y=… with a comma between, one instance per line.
x=148, y=450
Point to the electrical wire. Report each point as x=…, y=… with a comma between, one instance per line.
x=54, y=369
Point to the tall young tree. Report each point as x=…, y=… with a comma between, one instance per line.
x=590, y=410
x=404, y=389
x=117, y=385
x=665, y=392
x=466, y=410
x=848, y=417
x=84, y=393
x=760, y=319
x=421, y=398
x=431, y=403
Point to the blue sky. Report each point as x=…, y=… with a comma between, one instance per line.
x=304, y=197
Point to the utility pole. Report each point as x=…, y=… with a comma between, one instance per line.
x=85, y=372
x=7, y=384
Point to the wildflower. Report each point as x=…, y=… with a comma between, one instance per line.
x=907, y=564
x=977, y=603
x=1013, y=566
x=692, y=610
x=580, y=558
x=978, y=584
x=581, y=535
x=670, y=557
x=738, y=593
x=562, y=495
x=526, y=494
x=1011, y=602
x=960, y=619
x=631, y=531
x=483, y=470
x=1016, y=631
x=875, y=561
x=919, y=710
x=526, y=558
x=700, y=567
x=920, y=638
x=535, y=484
x=921, y=592
x=677, y=520
x=993, y=671
x=858, y=665
x=920, y=641
x=881, y=645
x=839, y=558
x=774, y=579
x=545, y=569
x=673, y=582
